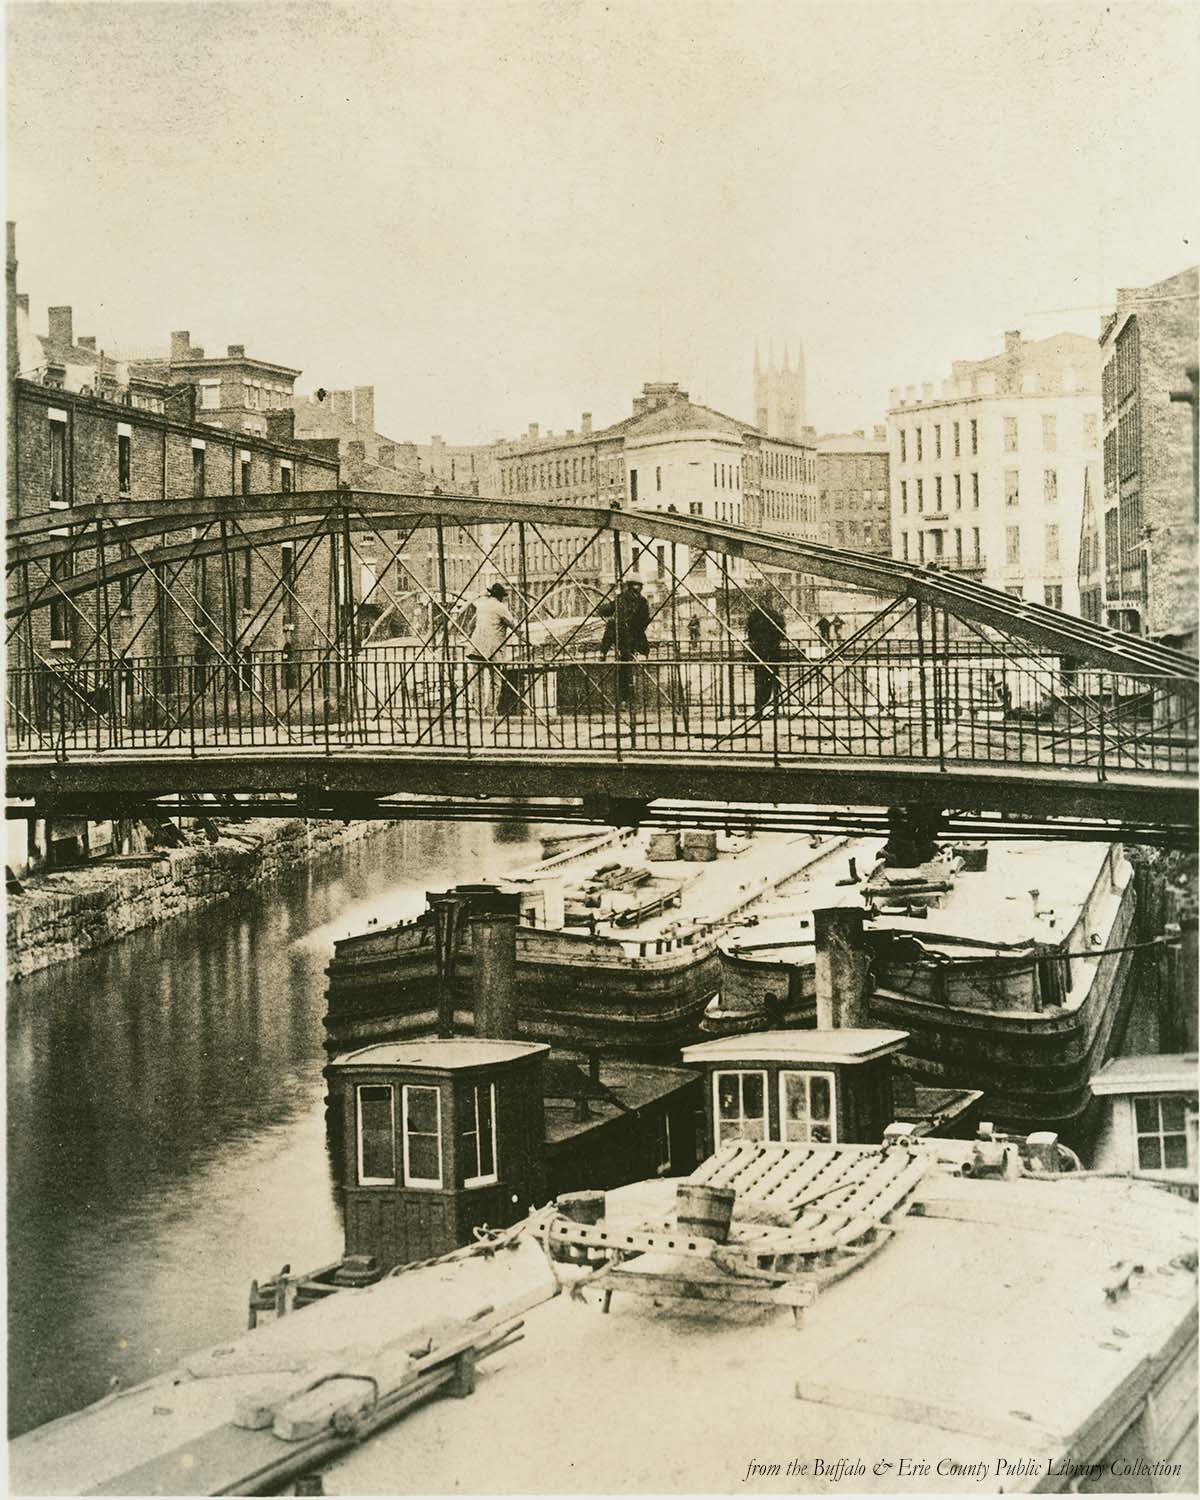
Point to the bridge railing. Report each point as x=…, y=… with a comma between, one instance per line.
x=880, y=703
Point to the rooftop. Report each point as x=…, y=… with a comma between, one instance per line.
x=438, y=1052
x=848, y=1044
x=1168, y=1073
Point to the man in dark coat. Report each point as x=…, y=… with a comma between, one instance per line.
x=626, y=619
x=764, y=637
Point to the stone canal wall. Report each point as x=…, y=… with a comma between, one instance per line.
x=61, y=915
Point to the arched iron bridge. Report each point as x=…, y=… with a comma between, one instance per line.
x=314, y=652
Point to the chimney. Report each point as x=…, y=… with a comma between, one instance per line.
x=60, y=328
x=364, y=407
x=181, y=344
x=356, y=453
x=1012, y=361
x=342, y=405
x=533, y=431
x=585, y=424
x=23, y=302
x=281, y=426
x=842, y=967
x=387, y=456
x=494, y=966
x=236, y=351
x=88, y=343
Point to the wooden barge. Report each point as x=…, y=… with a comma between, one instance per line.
x=1013, y=978
x=617, y=945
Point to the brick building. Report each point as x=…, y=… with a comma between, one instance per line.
x=988, y=472
x=1147, y=535
x=853, y=491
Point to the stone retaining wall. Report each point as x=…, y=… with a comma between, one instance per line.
x=67, y=913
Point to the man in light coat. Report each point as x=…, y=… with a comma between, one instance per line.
x=491, y=628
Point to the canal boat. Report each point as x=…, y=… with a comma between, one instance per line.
x=928, y=1316
x=1008, y=964
x=616, y=948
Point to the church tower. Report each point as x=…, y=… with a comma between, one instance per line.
x=779, y=406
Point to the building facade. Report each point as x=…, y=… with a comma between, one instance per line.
x=988, y=473
x=232, y=390
x=854, y=491
x=1146, y=533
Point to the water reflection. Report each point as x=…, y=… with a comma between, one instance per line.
x=166, y=1121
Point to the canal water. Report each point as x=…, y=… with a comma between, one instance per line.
x=166, y=1137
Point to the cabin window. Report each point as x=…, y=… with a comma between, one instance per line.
x=479, y=1134
x=376, y=1134
x=740, y=1106
x=806, y=1107
x=1161, y=1128
x=422, y=1136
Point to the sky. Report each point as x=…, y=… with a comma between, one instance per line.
x=504, y=213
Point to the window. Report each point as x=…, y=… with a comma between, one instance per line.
x=197, y=470
x=1051, y=545
x=124, y=445
x=633, y=485
x=376, y=1134
x=245, y=577
x=251, y=395
x=975, y=534
x=958, y=492
x=920, y=494
x=974, y=435
x=1052, y=595
x=957, y=439
x=806, y=1107
x=479, y=1134
x=740, y=1107
x=245, y=475
x=61, y=568
x=920, y=444
x=1010, y=434
x=658, y=477
x=1049, y=432
x=903, y=446
x=1050, y=486
x=958, y=552
x=58, y=463
x=937, y=440
x=1012, y=486
x=975, y=491
x=904, y=544
x=695, y=507
x=662, y=1147
x=210, y=395
x=1012, y=544
x=938, y=487
x=1015, y=590
x=287, y=579
x=285, y=477
x=904, y=497
x=716, y=466
x=1160, y=1126
x=125, y=552
x=422, y=1136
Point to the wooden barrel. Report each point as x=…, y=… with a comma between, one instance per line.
x=704, y=1210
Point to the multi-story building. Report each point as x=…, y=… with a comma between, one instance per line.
x=853, y=491
x=671, y=454
x=1146, y=530
x=232, y=390
x=988, y=472
x=778, y=397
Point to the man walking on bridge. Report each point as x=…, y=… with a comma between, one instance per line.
x=626, y=619
x=764, y=637
x=492, y=626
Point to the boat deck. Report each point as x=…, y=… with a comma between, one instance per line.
x=1004, y=1323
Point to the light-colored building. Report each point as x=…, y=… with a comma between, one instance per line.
x=1148, y=1110
x=853, y=491
x=1146, y=532
x=988, y=470
x=232, y=390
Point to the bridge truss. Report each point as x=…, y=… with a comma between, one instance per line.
x=313, y=651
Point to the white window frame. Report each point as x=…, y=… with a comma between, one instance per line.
x=809, y=1074
x=409, y=1179
x=210, y=388
x=485, y=1178
x=1160, y=1133
x=364, y=1181
x=739, y=1074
